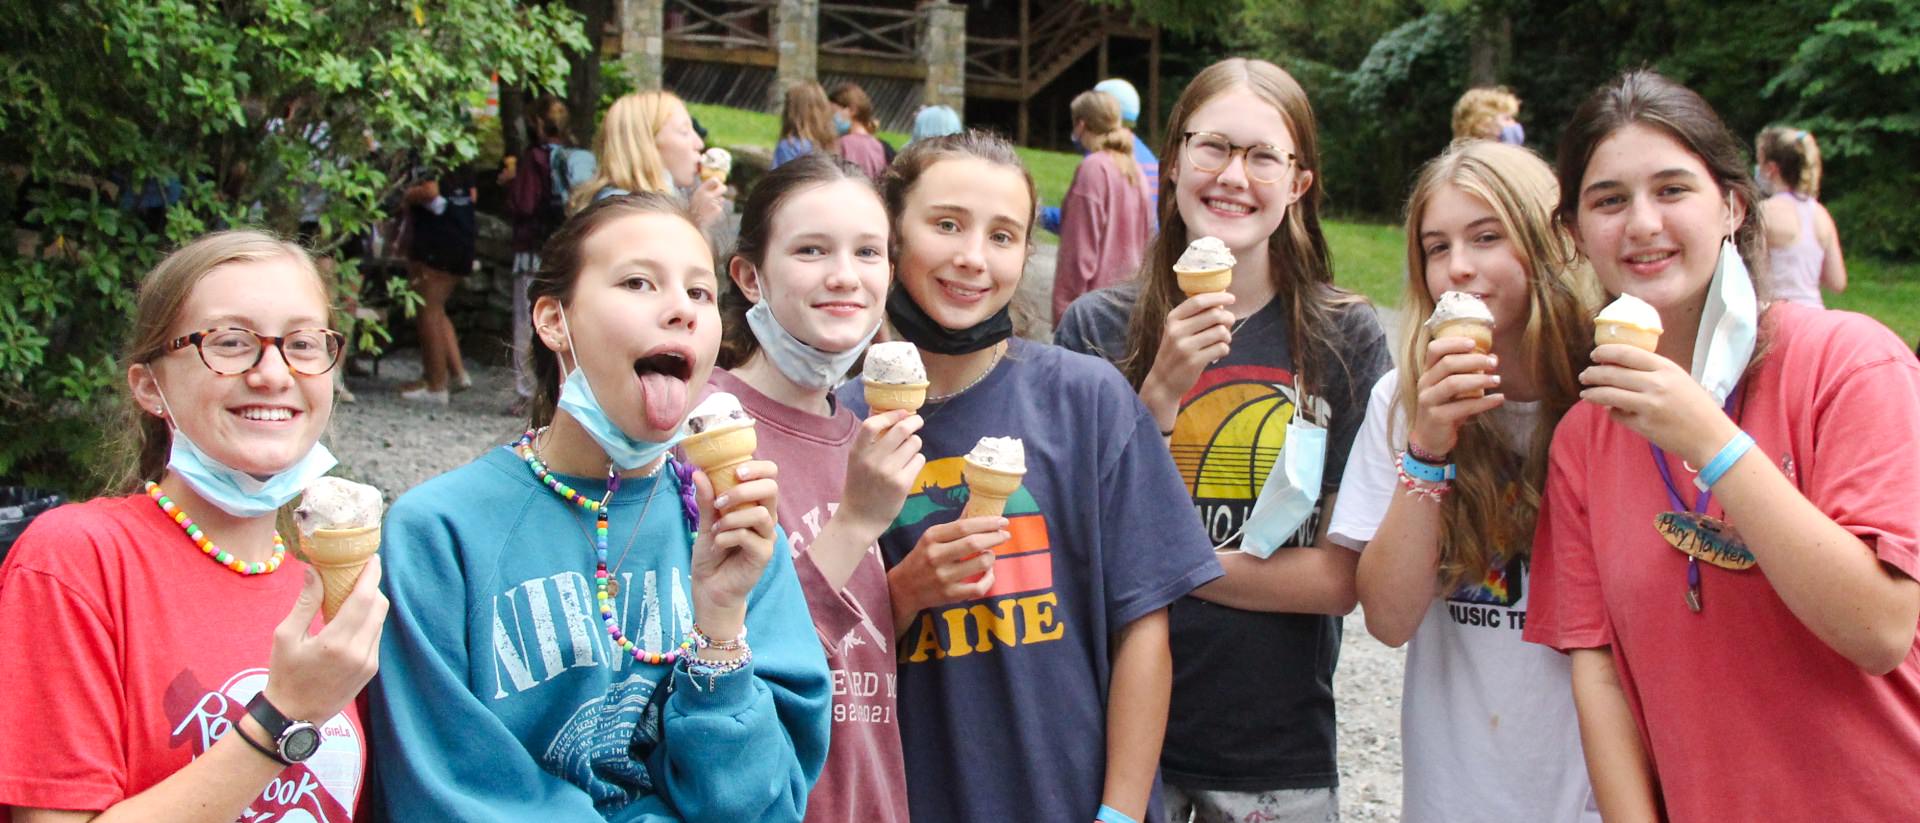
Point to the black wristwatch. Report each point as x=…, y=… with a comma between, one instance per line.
x=295, y=740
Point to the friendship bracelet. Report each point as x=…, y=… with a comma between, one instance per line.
x=1728, y=455
x=701, y=640
x=1423, y=470
x=1109, y=814
x=1425, y=456
x=715, y=669
x=1422, y=488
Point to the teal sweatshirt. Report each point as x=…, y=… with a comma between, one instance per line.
x=501, y=697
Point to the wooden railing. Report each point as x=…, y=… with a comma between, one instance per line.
x=853, y=30
x=727, y=24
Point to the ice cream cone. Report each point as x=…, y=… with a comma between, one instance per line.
x=719, y=452
x=1204, y=281
x=707, y=174
x=1481, y=333
x=339, y=555
x=1605, y=332
x=886, y=397
x=988, y=489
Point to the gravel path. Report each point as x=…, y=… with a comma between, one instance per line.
x=395, y=445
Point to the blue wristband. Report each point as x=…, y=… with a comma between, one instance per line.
x=1109, y=814
x=1423, y=471
x=1717, y=467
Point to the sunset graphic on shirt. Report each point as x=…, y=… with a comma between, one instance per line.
x=1023, y=563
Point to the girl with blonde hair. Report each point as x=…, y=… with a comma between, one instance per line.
x=1445, y=564
x=647, y=143
x=1803, y=244
x=1229, y=377
x=1104, y=218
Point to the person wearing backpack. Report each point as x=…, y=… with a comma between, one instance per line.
x=537, y=205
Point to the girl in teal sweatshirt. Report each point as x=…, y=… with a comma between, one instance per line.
x=570, y=626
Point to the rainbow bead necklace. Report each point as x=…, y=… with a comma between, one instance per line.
x=601, y=577
x=205, y=544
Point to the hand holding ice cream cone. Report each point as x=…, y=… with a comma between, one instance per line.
x=1459, y=314
x=339, y=522
x=722, y=438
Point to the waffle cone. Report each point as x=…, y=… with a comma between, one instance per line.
x=886, y=397
x=339, y=555
x=988, y=489
x=719, y=452
x=1204, y=281
x=712, y=174
x=1605, y=332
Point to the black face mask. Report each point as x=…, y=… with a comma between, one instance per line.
x=923, y=331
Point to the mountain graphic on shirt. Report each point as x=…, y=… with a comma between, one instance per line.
x=1023, y=563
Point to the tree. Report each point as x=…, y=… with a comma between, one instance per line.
x=240, y=113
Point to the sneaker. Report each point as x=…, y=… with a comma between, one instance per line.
x=461, y=383
x=425, y=395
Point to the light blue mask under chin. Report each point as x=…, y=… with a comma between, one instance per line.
x=236, y=492
x=576, y=399
x=803, y=364
x=1729, y=325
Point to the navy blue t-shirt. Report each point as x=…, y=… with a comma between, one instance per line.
x=1003, y=699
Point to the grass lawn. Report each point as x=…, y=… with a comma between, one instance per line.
x=1368, y=257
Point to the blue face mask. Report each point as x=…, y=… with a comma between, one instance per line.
x=236, y=492
x=577, y=400
x=1513, y=135
x=798, y=361
x=841, y=124
x=1293, y=487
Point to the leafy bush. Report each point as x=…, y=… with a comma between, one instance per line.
x=242, y=113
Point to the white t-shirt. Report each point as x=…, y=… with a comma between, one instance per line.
x=1487, y=724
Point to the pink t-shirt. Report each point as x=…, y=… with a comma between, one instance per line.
x=865, y=151
x=1103, y=229
x=1745, y=714
x=865, y=778
x=128, y=653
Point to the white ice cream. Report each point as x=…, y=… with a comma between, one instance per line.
x=1205, y=254
x=894, y=363
x=1003, y=453
x=1458, y=305
x=1630, y=311
x=717, y=161
x=336, y=503
x=718, y=411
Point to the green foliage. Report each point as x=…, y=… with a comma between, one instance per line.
x=1855, y=83
x=254, y=110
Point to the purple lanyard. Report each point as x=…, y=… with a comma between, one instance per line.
x=1673, y=491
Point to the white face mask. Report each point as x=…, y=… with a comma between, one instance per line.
x=1292, y=488
x=1729, y=326
x=803, y=364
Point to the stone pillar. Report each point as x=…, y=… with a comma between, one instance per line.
x=796, y=34
x=642, y=51
x=943, y=50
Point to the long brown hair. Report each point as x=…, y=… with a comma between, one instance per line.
x=1302, y=266
x=737, y=343
x=855, y=99
x=1100, y=113
x=913, y=161
x=807, y=116
x=560, y=265
x=1480, y=518
x=143, y=439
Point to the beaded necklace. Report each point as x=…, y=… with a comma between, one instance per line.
x=601, y=576
x=205, y=544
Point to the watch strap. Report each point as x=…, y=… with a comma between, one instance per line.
x=259, y=747
x=268, y=716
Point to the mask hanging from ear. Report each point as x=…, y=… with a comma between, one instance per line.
x=236, y=492
x=802, y=363
x=1729, y=325
x=576, y=399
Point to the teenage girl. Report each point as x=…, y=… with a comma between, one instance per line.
x=576, y=633
x=1803, y=244
x=1446, y=561
x=1728, y=552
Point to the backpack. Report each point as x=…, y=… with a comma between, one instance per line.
x=536, y=208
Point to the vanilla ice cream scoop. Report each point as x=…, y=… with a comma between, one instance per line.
x=719, y=410
x=1205, y=254
x=1632, y=311
x=894, y=362
x=335, y=503
x=1458, y=306
x=1003, y=453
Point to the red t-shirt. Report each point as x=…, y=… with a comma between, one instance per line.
x=865, y=777
x=1745, y=714
x=128, y=653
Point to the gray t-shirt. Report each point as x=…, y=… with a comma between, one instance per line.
x=1252, y=692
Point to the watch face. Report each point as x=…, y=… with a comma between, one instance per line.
x=299, y=742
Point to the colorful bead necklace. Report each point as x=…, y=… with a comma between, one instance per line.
x=205, y=544
x=601, y=576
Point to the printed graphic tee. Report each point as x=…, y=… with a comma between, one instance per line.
x=1487, y=725
x=864, y=777
x=1003, y=699
x=1252, y=691
x=129, y=654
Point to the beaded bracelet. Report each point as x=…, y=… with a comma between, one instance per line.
x=715, y=669
x=1425, y=456
x=702, y=640
x=1424, y=488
